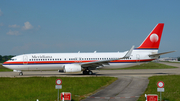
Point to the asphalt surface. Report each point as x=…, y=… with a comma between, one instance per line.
x=129, y=86
x=124, y=89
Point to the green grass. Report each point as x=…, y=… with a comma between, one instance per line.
x=171, y=87
x=43, y=88
x=3, y=69
x=150, y=65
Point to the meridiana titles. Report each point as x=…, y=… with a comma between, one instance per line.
x=41, y=56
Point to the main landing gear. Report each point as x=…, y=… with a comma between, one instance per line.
x=87, y=72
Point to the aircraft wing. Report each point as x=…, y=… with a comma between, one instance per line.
x=158, y=54
x=105, y=62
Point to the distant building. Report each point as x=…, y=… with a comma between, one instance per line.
x=168, y=59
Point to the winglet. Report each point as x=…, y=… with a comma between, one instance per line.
x=128, y=54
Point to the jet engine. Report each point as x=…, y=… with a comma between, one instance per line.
x=72, y=68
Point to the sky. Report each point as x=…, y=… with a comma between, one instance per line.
x=57, y=26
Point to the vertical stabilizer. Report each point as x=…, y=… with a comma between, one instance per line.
x=153, y=39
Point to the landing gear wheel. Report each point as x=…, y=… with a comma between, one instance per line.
x=21, y=73
x=87, y=72
x=90, y=72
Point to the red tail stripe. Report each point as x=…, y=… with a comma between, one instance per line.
x=153, y=39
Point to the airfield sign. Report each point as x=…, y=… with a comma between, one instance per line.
x=58, y=86
x=160, y=84
x=160, y=88
x=65, y=96
x=58, y=81
x=151, y=97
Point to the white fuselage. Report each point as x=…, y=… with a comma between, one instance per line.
x=56, y=61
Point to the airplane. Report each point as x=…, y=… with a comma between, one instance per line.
x=85, y=62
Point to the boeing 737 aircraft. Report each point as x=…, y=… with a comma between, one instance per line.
x=76, y=62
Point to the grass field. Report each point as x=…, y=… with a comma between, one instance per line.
x=43, y=88
x=149, y=65
x=171, y=87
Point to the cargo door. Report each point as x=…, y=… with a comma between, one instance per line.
x=137, y=58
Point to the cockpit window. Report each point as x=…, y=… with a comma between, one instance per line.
x=12, y=59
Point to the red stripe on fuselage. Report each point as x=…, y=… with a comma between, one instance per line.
x=65, y=62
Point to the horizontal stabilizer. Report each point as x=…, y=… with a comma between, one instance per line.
x=158, y=54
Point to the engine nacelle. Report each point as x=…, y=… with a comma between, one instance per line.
x=72, y=68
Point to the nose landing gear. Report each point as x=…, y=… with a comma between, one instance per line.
x=20, y=73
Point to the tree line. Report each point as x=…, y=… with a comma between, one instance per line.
x=5, y=58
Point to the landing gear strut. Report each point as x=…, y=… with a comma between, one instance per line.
x=87, y=72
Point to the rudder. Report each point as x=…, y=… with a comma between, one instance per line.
x=153, y=39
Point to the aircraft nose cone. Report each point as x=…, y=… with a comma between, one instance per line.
x=5, y=64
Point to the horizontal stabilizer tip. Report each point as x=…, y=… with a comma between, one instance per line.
x=158, y=54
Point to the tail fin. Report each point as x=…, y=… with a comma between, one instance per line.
x=153, y=39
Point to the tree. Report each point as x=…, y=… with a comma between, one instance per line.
x=5, y=58
x=0, y=58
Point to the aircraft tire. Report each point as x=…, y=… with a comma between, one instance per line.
x=21, y=73
x=90, y=72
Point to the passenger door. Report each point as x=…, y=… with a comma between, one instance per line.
x=25, y=59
